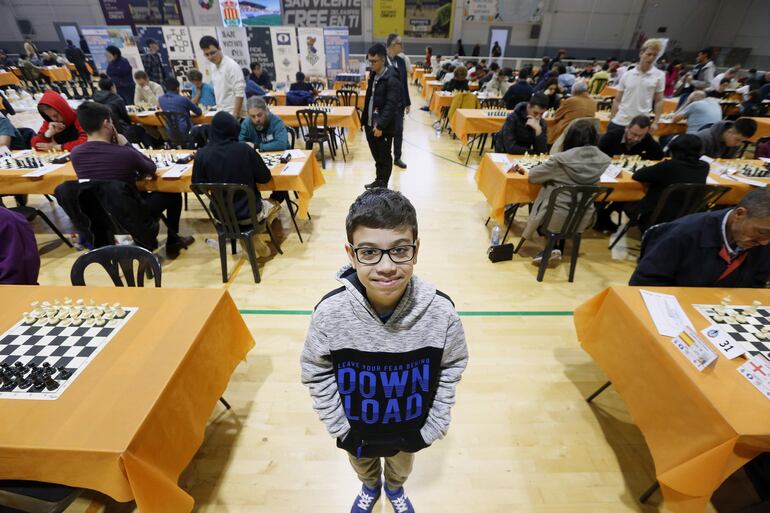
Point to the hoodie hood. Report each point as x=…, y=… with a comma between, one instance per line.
x=103, y=96
x=413, y=304
x=224, y=128
x=583, y=164
x=59, y=104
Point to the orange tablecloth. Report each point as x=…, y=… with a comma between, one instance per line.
x=71, y=67
x=700, y=427
x=669, y=105
x=151, y=119
x=417, y=73
x=361, y=85
x=763, y=129
x=307, y=181
x=425, y=77
x=430, y=86
x=501, y=188
x=608, y=91
x=280, y=96
x=8, y=78
x=134, y=418
x=57, y=74
x=345, y=117
x=465, y=122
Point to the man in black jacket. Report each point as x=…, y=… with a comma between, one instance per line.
x=712, y=249
x=381, y=107
x=398, y=64
x=525, y=129
x=635, y=139
x=76, y=56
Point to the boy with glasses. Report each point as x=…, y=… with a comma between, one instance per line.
x=384, y=352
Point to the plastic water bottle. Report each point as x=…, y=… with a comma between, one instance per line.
x=495, y=241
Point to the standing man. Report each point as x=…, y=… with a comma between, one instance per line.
x=227, y=77
x=76, y=56
x=399, y=65
x=152, y=62
x=640, y=90
x=381, y=107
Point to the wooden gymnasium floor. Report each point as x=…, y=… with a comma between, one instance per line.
x=522, y=438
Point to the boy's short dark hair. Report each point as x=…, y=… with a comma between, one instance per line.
x=141, y=75
x=381, y=208
x=642, y=121
x=105, y=84
x=207, y=41
x=255, y=65
x=539, y=100
x=171, y=84
x=377, y=49
x=300, y=77
x=194, y=75
x=708, y=51
x=686, y=147
x=745, y=126
x=91, y=116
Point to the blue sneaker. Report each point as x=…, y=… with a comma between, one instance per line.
x=399, y=500
x=366, y=499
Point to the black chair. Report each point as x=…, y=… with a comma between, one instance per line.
x=688, y=198
x=35, y=497
x=313, y=132
x=270, y=100
x=222, y=198
x=292, y=135
x=30, y=213
x=492, y=103
x=327, y=101
x=117, y=259
x=318, y=86
x=174, y=123
x=580, y=199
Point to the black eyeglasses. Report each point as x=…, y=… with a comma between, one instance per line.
x=398, y=255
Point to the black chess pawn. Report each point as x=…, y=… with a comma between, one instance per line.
x=51, y=384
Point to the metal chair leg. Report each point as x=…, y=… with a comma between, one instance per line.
x=620, y=235
x=573, y=260
x=648, y=492
x=223, y=257
x=293, y=215
x=546, y=257
x=598, y=391
x=224, y=403
x=53, y=227
x=252, y=254
x=519, y=245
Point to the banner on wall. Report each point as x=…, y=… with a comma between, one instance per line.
x=142, y=12
x=146, y=33
x=433, y=20
x=233, y=42
x=481, y=10
x=337, y=45
x=261, y=49
x=324, y=13
x=196, y=33
x=100, y=37
x=312, y=55
x=285, y=54
x=260, y=12
x=205, y=12
x=388, y=17
x=180, y=51
x=231, y=13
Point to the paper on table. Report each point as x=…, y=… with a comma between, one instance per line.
x=711, y=181
x=43, y=170
x=747, y=181
x=4, y=150
x=293, y=168
x=146, y=113
x=765, y=159
x=295, y=154
x=605, y=178
x=499, y=158
x=176, y=171
x=666, y=312
x=613, y=170
x=757, y=372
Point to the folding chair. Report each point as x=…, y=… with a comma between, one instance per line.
x=312, y=133
x=116, y=260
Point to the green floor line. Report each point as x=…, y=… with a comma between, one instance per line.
x=511, y=313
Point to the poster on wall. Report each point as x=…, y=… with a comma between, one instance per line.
x=324, y=13
x=180, y=51
x=145, y=33
x=337, y=44
x=231, y=13
x=196, y=33
x=520, y=11
x=481, y=10
x=260, y=12
x=388, y=17
x=100, y=37
x=432, y=20
x=234, y=44
x=115, y=12
x=285, y=55
x=142, y=12
x=204, y=12
x=312, y=58
x=261, y=49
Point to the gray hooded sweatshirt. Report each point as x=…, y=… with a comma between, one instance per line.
x=384, y=387
x=583, y=165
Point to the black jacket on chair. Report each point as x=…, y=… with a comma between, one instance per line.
x=387, y=101
x=400, y=65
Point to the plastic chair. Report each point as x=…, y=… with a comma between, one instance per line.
x=221, y=211
x=597, y=85
x=688, y=198
x=313, y=133
x=36, y=497
x=117, y=259
x=580, y=199
x=318, y=86
x=30, y=213
x=327, y=101
x=177, y=126
x=270, y=100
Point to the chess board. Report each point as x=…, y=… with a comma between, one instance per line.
x=41, y=360
x=320, y=108
x=497, y=113
x=754, y=171
x=634, y=163
x=31, y=160
x=530, y=161
x=271, y=159
x=165, y=160
x=745, y=334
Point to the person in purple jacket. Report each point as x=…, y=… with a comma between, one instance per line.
x=119, y=70
x=19, y=258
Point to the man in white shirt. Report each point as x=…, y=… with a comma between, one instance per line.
x=640, y=90
x=226, y=77
x=147, y=92
x=730, y=74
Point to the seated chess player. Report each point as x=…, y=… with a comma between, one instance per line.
x=301, y=85
x=579, y=105
x=262, y=129
x=722, y=140
x=252, y=88
x=635, y=139
x=61, y=129
x=726, y=248
x=108, y=156
x=202, y=93
x=19, y=258
x=147, y=92
x=172, y=101
x=700, y=109
x=459, y=80
x=525, y=129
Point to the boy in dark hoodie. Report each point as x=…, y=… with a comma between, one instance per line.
x=384, y=352
x=61, y=129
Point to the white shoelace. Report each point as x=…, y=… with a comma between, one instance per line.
x=365, y=500
x=400, y=504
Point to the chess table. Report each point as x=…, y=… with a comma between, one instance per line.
x=700, y=427
x=136, y=415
